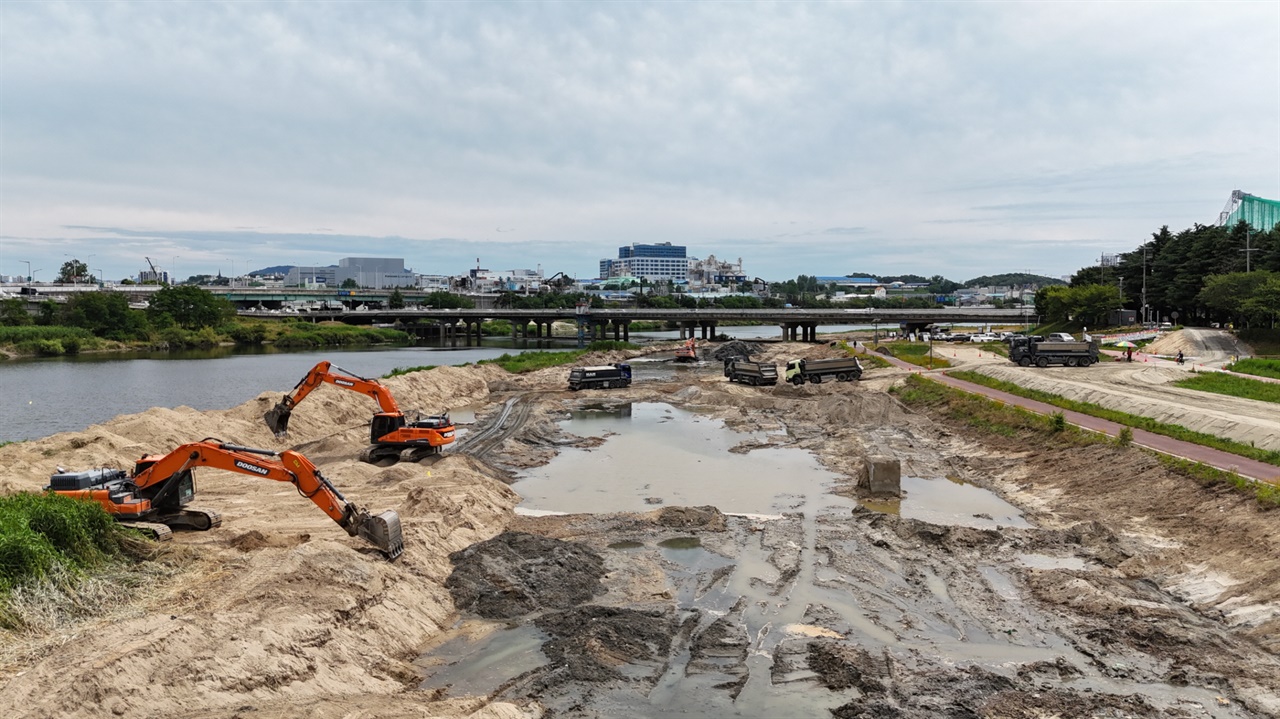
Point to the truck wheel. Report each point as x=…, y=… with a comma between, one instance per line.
x=797, y=380
x=817, y=379
x=1071, y=361
x=1024, y=362
x=1042, y=362
x=842, y=377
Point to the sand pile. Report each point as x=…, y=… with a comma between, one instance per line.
x=278, y=601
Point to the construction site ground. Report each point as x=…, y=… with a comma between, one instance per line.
x=1113, y=588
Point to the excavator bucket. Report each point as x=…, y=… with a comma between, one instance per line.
x=383, y=532
x=277, y=419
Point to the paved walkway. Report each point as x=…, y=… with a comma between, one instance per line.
x=1217, y=458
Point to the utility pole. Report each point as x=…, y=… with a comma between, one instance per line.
x=1247, y=251
x=28, y=269
x=1144, y=284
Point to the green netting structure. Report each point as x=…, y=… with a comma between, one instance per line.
x=1261, y=214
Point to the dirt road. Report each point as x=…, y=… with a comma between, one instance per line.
x=1145, y=388
x=1113, y=588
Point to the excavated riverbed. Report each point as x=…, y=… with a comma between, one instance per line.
x=714, y=574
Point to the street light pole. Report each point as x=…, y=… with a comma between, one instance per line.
x=28, y=263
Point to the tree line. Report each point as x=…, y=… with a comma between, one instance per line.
x=1204, y=274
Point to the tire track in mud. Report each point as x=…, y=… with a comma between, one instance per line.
x=483, y=442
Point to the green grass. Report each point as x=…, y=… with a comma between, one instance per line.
x=531, y=361
x=984, y=414
x=323, y=335
x=1260, y=367
x=866, y=358
x=49, y=536
x=1129, y=420
x=1219, y=383
x=916, y=353
x=397, y=371
x=996, y=418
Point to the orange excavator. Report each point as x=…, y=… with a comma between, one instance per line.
x=391, y=433
x=687, y=353
x=155, y=498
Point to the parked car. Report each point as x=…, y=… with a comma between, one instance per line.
x=960, y=337
x=1060, y=337
x=984, y=338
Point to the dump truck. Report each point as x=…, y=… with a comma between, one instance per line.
x=840, y=369
x=607, y=376
x=1042, y=353
x=748, y=372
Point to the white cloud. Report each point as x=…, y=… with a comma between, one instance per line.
x=958, y=135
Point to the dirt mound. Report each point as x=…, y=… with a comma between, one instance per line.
x=736, y=348
x=253, y=540
x=589, y=643
x=515, y=573
x=1170, y=344
x=708, y=518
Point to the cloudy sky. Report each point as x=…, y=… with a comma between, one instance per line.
x=953, y=138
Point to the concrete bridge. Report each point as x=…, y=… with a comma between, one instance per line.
x=598, y=324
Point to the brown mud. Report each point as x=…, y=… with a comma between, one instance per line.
x=1132, y=591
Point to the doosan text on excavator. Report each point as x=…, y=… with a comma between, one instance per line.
x=156, y=497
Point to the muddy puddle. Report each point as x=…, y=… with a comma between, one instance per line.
x=800, y=603
x=656, y=454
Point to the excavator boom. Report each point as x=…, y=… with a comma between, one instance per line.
x=160, y=485
x=390, y=431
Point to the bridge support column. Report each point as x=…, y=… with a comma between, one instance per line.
x=626, y=330
x=617, y=332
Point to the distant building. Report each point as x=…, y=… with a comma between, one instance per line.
x=712, y=272
x=371, y=272
x=660, y=261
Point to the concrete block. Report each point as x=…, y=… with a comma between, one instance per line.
x=884, y=476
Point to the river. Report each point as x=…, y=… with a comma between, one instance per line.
x=41, y=397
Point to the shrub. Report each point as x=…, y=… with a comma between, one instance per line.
x=1057, y=422
x=1125, y=438
x=254, y=334
x=42, y=532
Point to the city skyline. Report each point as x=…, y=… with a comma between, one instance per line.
x=958, y=139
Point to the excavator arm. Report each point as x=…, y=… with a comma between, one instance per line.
x=382, y=530
x=277, y=417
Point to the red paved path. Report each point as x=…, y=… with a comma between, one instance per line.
x=1244, y=466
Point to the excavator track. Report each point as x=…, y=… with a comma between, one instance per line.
x=158, y=532
x=205, y=518
x=380, y=455
x=200, y=519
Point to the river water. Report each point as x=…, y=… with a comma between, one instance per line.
x=66, y=394
x=41, y=397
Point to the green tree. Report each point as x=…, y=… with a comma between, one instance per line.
x=447, y=301
x=105, y=314
x=189, y=307
x=74, y=271
x=396, y=300
x=350, y=284
x=13, y=313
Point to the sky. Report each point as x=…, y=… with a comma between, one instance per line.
x=934, y=138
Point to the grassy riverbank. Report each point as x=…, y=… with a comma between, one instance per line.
x=1129, y=420
x=994, y=418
